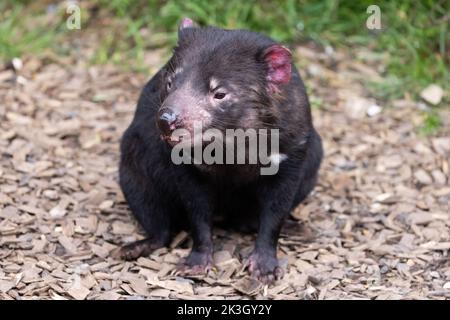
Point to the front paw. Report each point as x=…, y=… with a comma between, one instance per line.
x=264, y=267
x=196, y=263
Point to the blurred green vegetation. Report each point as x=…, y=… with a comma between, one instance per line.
x=16, y=37
x=431, y=124
x=414, y=41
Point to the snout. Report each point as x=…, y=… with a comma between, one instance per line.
x=167, y=121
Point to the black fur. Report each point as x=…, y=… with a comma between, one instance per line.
x=165, y=197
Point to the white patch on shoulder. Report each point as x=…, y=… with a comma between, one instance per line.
x=277, y=158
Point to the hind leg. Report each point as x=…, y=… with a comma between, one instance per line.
x=304, y=189
x=157, y=228
x=137, y=249
x=152, y=210
x=310, y=168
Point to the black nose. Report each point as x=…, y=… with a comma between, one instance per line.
x=166, y=121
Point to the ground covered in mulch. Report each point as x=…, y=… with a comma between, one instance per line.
x=377, y=225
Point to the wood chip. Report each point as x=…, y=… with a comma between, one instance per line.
x=248, y=286
x=78, y=292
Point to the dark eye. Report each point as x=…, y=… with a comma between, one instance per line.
x=169, y=84
x=219, y=95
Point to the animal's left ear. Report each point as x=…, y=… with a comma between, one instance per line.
x=278, y=59
x=186, y=23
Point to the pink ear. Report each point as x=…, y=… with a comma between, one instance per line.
x=186, y=23
x=278, y=59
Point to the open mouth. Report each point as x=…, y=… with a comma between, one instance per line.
x=172, y=140
x=188, y=140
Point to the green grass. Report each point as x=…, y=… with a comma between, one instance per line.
x=415, y=35
x=414, y=42
x=431, y=124
x=16, y=37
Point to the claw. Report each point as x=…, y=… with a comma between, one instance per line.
x=265, y=269
x=197, y=263
x=195, y=270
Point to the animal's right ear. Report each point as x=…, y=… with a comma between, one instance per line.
x=278, y=60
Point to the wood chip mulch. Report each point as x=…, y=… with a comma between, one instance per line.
x=376, y=227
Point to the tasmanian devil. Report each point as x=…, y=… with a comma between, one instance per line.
x=222, y=79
